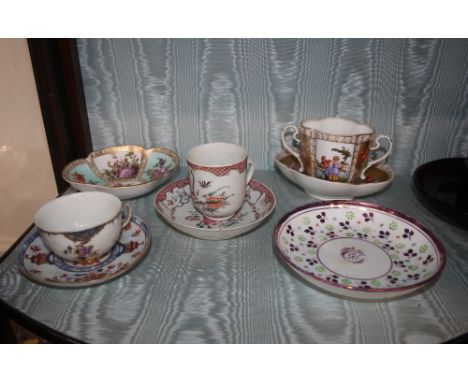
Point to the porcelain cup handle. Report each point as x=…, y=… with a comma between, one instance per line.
x=289, y=149
x=250, y=170
x=373, y=148
x=126, y=215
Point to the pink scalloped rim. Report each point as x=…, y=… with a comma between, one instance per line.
x=337, y=204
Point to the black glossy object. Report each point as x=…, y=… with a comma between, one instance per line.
x=442, y=186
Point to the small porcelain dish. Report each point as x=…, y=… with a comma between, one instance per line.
x=358, y=250
x=174, y=203
x=377, y=179
x=124, y=171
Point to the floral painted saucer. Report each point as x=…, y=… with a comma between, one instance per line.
x=378, y=178
x=174, y=203
x=358, y=250
x=39, y=264
x=125, y=171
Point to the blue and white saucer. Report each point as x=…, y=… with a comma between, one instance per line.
x=40, y=265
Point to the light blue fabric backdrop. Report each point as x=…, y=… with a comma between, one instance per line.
x=179, y=93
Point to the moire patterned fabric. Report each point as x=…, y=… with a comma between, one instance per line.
x=179, y=93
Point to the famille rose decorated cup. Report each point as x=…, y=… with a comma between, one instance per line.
x=218, y=175
x=82, y=227
x=335, y=149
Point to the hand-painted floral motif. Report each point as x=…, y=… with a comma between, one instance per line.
x=372, y=259
x=203, y=221
x=122, y=168
x=162, y=167
x=39, y=264
x=77, y=177
x=80, y=178
x=212, y=200
x=84, y=254
x=39, y=257
x=180, y=195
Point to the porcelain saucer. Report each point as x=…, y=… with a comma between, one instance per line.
x=173, y=202
x=358, y=249
x=39, y=264
x=379, y=178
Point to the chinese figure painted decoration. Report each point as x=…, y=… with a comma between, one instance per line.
x=378, y=177
x=335, y=149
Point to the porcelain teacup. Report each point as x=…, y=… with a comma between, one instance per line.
x=218, y=176
x=335, y=149
x=82, y=227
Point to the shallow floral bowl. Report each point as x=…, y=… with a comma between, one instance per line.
x=125, y=171
x=358, y=250
x=377, y=179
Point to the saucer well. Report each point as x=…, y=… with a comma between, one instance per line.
x=124, y=171
x=39, y=264
x=358, y=250
x=379, y=178
x=173, y=202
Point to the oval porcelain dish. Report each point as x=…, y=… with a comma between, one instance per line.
x=358, y=250
x=379, y=178
x=124, y=171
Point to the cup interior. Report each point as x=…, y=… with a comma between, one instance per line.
x=338, y=126
x=77, y=212
x=217, y=154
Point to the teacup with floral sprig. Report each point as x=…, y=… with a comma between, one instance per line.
x=219, y=174
x=82, y=227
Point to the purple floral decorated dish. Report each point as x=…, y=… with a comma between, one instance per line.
x=358, y=250
x=125, y=171
x=174, y=203
x=40, y=265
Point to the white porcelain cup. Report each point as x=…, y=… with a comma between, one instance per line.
x=335, y=149
x=82, y=226
x=219, y=174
